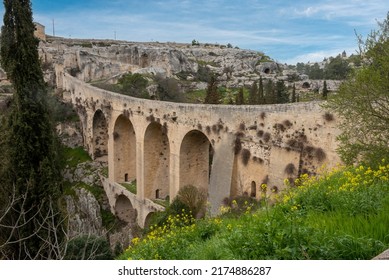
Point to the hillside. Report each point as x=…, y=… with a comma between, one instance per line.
x=186, y=68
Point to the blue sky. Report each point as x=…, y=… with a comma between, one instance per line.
x=287, y=31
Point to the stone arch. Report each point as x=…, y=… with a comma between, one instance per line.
x=266, y=70
x=196, y=154
x=100, y=136
x=156, y=161
x=124, y=142
x=124, y=209
x=148, y=219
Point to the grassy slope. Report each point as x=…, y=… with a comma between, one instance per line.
x=342, y=215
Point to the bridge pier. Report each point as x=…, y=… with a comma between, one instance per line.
x=221, y=175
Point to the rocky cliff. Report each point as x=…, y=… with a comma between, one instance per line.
x=94, y=60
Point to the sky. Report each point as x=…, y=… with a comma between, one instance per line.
x=287, y=31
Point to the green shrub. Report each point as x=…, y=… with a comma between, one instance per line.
x=74, y=156
x=340, y=215
x=88, y=248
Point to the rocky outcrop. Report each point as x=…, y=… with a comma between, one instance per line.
x=70, y=134
x=97, y=60
x=83, y=212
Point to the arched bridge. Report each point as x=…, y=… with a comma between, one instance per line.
x=227, y=150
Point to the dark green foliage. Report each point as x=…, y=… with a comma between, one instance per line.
x=362, y=102
x=134, y=85
x=325, y=90
x=282, y=95
x=168, y=89
x=239, y=98
x=294, y=99
x=270, y=93
x=261, y=96
x=212, y=95
x=88, y=248
x=203, y=73
x=253, y=94
x=61, y=111
x=30, y=158
x=335, y=68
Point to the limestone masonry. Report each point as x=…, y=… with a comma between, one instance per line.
x=227, y=150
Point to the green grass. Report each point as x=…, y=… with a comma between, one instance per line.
x=341, y=215
x=75, y=156
x=195, y=96
x=131, y=187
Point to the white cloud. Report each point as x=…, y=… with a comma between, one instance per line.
x=285, y=30
x=319, y=55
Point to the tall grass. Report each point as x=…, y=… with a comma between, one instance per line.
x=341, y=215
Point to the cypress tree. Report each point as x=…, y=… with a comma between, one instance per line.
x=253, y=96
x=281, y=92
x=30, y=169
x=239, y=99
x=325, y=90
x=269, y=93
x=212, y=95
x=261, y=96
x=294, y=93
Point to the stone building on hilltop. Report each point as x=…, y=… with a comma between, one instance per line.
x=40, y=31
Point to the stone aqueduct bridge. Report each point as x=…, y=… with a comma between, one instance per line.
x=228, y=150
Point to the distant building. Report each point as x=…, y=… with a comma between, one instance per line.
x=40, y=31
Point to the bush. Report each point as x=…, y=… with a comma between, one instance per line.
x=88, y=248
x=195, y=199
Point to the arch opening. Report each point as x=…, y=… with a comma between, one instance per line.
x=156, y=162
x=253, y=192
x=149, y=219
x=100, y=137
x=196, y=154
x=124, y=209
x=124, y=150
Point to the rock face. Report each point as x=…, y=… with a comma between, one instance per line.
x=70, y=134
x=92, y=60
x=86, y=172
x=83, y=214
x=96, y=60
